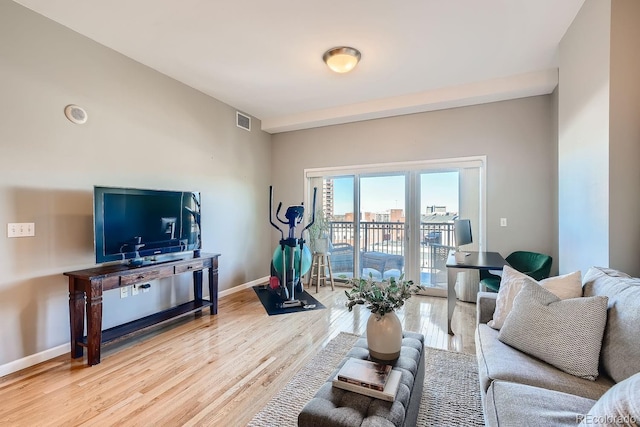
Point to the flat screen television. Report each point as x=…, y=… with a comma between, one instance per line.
x=462, y=232
x=133, y=224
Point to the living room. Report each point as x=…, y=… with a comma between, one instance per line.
x=560, y=166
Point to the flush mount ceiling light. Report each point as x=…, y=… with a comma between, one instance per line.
x=341, y=59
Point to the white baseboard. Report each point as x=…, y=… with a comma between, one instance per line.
x=34, y=359
x=434, y=292
x=244, y=286
x=43, y=356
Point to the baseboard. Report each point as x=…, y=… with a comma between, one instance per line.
x=34, y=359
x=43, y=356
x=260, y=281
x=433, y=292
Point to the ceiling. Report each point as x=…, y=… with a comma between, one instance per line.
x=265, y=57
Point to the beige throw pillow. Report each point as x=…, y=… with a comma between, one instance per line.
x=564, y=287
x=564, y=333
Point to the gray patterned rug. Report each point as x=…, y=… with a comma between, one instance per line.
x=451, y=395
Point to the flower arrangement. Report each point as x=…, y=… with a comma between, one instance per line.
x=381, y=296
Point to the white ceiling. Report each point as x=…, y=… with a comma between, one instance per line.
x=265, y=57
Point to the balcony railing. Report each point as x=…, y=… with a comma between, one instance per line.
x=389, y=237
x=380, y=238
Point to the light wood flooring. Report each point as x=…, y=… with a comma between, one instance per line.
x=214, y=370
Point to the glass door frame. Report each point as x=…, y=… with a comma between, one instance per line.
x=412, y=171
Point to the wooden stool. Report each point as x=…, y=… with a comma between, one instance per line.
x=318, y=264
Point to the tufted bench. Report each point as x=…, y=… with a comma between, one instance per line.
x=332, y=406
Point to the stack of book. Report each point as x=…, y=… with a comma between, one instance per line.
x=368, y=378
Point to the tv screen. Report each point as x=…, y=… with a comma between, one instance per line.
x=131, y=223
x=462, y=232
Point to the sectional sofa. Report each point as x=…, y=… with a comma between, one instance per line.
x=520, y=388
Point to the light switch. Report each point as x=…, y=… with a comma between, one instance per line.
x=21, y=229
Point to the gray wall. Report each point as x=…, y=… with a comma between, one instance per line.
x=583, y=129
x=518, y=138
x=144, y=130
x=599, y=138
x=624, y=137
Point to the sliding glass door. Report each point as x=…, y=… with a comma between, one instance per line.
x=338, y=204
x=439, y=202
x=397, y=219
x=382, y=225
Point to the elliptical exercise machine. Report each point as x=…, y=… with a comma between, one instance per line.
x=291, y=258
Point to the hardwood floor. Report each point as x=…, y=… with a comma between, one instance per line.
x=214, y=370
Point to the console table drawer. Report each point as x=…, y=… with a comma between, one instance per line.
x=192, y=266
x=145, y=276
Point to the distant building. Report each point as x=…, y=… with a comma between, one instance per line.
x=327, y=197
x=382, y=217
x=436, y=209
x=396, y=215
x=438, y=218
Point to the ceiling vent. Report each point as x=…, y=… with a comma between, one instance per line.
x=243, y=121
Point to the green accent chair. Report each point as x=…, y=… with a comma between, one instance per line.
x=533, y=264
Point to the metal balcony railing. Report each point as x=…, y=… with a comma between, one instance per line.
x=378, y=238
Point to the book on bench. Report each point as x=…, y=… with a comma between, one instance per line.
x=388, y=394
x=364, y=373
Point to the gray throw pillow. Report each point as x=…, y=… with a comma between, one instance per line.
x=564, y=333
x=619, y=406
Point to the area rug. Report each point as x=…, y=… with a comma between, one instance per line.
x=271, y=302
x=451, y=395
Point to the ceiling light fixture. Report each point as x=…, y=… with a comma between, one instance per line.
x=342, y=59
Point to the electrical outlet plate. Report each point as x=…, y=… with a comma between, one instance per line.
x=124, y=292
x=135, y=290
x=21, y=229
x=503, y=222
x=145, y=290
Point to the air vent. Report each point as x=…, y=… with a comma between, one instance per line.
x=243, y=121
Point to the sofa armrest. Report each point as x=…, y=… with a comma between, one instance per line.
x=486, y=305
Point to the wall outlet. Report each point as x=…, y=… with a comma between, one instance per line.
x=503, y=222
x=135, y=290
x=21, y=229
x=145, y=288
x=124, y=292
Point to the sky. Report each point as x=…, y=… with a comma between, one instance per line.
x=379, y=194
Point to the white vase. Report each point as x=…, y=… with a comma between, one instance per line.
x=384, y=337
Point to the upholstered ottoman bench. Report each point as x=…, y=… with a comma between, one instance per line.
x=332, y=406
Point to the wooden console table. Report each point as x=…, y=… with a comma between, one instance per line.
x=86, y=288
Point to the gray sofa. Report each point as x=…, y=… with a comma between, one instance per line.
x=518, y=389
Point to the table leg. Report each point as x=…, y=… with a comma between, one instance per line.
x=76, y=318
x=94, y=323
x=197, y=285
x=213, y=288
x=452, y=274
x=197, y=289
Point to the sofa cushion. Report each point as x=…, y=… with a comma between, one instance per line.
x=485, y=306
x=621, y=342
x=618, y=406
x=510, y=404
x=565, y=286
x=498, y=361
x=565, y=333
